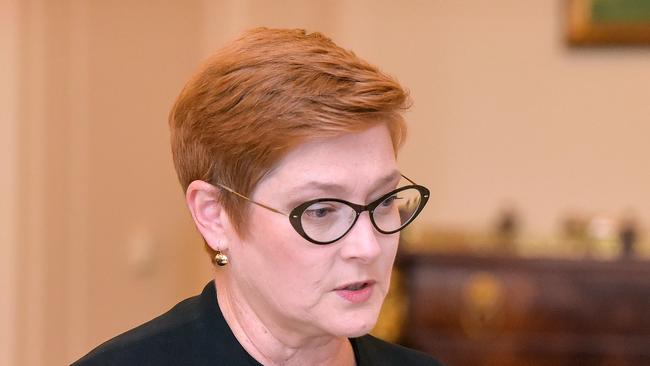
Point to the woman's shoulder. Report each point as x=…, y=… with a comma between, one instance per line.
x=374, y=351
x=150, y=339
x=193, y=332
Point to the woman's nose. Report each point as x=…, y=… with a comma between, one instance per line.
x=362, y=243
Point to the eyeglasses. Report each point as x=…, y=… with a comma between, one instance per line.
x=326, y=220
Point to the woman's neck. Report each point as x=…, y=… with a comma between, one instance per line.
x=268, y=342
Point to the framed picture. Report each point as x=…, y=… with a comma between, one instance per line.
x=603, y=22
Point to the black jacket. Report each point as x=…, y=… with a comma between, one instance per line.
x=194, y=332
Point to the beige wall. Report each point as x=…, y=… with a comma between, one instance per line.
x=102, y=238
x=97, y=238
x=506, y=112
x=8, y=159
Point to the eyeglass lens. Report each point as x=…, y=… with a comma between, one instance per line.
x=328, y=220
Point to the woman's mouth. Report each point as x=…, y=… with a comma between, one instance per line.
x=357, y=292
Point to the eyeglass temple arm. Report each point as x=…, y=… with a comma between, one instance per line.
x=251, y=201
x=271, y=208
x=407, y=178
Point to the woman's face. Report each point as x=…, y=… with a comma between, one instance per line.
x=300, y=287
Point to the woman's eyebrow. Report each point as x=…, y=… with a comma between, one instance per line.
x=392, y=177
x=317, y=185
x=336, y=187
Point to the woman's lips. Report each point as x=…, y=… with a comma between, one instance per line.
x=357, y=292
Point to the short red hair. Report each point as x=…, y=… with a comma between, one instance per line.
x=263, y=94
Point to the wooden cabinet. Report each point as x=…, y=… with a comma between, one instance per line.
x=486, y=310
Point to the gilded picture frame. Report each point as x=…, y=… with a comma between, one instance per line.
x=608, y=22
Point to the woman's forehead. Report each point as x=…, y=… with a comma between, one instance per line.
x=366, y=155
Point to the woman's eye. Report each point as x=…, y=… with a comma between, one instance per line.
x=389, y=201
x=319, y=212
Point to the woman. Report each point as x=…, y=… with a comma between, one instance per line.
x=285, y=146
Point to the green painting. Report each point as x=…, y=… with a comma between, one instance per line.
x=608, y=22
x=620, y=11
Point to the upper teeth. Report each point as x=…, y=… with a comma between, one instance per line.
x=355, y=286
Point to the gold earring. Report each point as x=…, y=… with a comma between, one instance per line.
x=220, y=259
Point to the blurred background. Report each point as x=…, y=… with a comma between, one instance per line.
x=533, y=141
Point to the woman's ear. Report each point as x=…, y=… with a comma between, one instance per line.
x=209, y=216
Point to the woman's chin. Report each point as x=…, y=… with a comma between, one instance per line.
x=361, y=330
x=355, y=324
